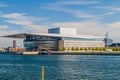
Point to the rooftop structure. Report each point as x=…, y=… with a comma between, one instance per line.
x=62, y=30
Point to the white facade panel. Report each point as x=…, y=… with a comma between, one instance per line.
x=79, y=44
x=70, y=31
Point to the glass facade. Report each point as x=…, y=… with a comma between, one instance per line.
x=81, y=39
x=54, y=30
x=37, y=42
x=34, y=43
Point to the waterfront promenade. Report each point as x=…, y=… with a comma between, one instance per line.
x=64, y=53
x=84, y=53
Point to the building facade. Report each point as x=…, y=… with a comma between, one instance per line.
x=107, y=40
x=58, y=38
x=80, y=44
x=41, y=42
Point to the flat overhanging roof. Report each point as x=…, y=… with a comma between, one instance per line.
x=23, y=35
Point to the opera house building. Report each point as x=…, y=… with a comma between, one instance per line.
x=57, y=38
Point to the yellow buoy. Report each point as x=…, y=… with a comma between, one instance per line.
x=43, y=73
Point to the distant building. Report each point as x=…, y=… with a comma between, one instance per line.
x=58, y=38
x=107, y=41
x=16, y=49
x=2, y=49
x=14, y=43
x=115, y=45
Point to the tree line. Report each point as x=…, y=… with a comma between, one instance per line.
x=115, y=48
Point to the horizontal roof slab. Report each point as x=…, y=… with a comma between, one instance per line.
x=23, y=35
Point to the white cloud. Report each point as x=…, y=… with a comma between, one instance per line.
x=94, y=28
x=20, y=22
x=112, y=9
x=13, y=15
x=29, y=25
x=63, y=6
x=77, y=13
x=110, y=13
x=5, y=42
x=73, y=2
x=8, y=42
x=6, y=32
x=3, y=26
x=21, y=16
x=84, y=27
x=27, y=22
x=114, y=25
x=80, y=2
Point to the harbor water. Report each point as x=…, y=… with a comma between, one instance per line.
x=59, y=67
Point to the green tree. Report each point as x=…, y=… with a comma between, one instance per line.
x=76, y=48
x=92, y=48
x=62, y=49
x=85, y=48
x=101, y=48
x=73, y=48
x=96, y=49
x=113, y=48
x=89, y=48
x=117, y=48
x=81, y=49
x=68, y=49
x=104, y=48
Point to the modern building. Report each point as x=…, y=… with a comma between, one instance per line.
x=58, y=38
x=14, y=43
x=2, y=49
x=107, y=40
x=115, y=45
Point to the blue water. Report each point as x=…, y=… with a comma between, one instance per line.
x=59, y=67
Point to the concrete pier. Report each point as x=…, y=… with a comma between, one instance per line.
x=31, y=53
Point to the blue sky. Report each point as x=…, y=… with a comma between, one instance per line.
x=91, y=17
